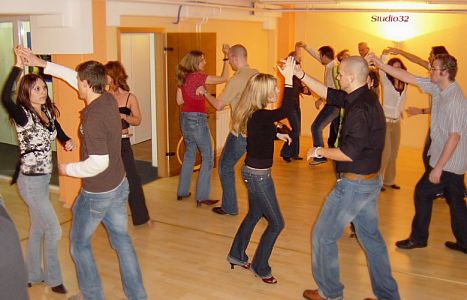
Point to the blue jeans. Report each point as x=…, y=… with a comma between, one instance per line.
x=110, y=208
x=234, y=149
x=196, y=135
x=293, y=149
x=323, y=119
x=45, y=229
x=351, y=201
x=262, y=201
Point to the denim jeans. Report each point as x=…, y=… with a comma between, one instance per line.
x=45, y=229
x=196, y=135
x=293, y=149
x=323, y=119
x=452, y=185
x=262, y=201
x=234, y=149
x=110, y=208
x=351, y=201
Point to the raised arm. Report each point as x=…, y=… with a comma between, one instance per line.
x=412, y=57
x=311, y=51
x=320, y=89
x=64, y=73
x=214, y=79
x=398, y=73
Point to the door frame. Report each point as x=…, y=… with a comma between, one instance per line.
x=160, y=124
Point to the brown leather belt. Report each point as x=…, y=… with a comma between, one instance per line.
x=353, y=176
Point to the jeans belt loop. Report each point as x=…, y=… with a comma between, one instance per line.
x=353, y=176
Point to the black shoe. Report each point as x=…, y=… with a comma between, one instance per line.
x=286, y=159
x=297, y=158
x=182, y=197
x=317, y=161
x=410, y=244
x=59, y=289
x=395, y=187
x=220, y=211
x=455, y=246
x=383, y=189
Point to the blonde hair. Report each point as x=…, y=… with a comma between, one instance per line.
x=255, y=96
x=188, y=64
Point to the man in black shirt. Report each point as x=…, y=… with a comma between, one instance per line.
x=353, y=199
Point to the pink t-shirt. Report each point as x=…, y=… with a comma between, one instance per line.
x=193, y=103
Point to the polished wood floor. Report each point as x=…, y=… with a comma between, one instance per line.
x=183, y=255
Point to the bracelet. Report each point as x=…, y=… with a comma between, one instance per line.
x=315, y=154
x=303, y=76
x=225, y=59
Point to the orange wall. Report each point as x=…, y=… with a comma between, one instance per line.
x=260, y=42
x=66, y=99
x=344, y=30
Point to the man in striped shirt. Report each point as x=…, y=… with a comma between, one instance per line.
x=448, y=159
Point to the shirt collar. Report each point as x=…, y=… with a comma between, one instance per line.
x=350, y=98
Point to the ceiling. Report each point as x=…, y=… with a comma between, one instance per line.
x=445, y=6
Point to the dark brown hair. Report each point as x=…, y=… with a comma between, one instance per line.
x=26, y=84
x=94, y=73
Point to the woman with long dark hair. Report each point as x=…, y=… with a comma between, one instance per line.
x=194, y=123
x=34, y=116
x=131, y=116
x=394, y=96
x=253, y=119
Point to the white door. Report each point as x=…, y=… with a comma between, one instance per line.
x=137, y=56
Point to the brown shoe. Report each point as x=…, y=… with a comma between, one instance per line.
x=369, y=299
x=312, y=295
x=206, y=202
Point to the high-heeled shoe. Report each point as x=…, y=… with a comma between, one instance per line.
x=206, y=202
x=182, y=197
x=245, y=266
x=266, y=279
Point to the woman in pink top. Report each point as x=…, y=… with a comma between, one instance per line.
x=194, y=123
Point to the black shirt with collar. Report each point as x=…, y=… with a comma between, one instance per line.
x=363, y=130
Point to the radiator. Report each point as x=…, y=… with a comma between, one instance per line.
x=222, y=128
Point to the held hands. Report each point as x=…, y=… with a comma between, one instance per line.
x=393, y=50
x=28, y=58
x=374, y=60
x=19, y=60
x=300, y=44
x=225, y=49
x=284, y=137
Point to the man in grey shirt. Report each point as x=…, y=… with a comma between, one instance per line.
x=448, y=159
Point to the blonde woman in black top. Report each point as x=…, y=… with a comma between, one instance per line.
x=253, y=119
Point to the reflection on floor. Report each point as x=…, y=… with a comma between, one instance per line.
x=183, y=256
x=142, y=151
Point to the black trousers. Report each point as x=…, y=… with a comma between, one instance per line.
x=136, y=200
x=13, y=276
x=452, y=185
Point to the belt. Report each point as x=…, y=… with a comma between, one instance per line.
x=126, y=135
x=353, y=176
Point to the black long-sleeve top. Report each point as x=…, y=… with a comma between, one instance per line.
x=34, y=138
x=363, y=130
x=261, y=132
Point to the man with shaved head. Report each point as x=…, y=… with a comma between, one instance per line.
x=353, y=199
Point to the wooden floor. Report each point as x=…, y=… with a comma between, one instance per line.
x=183, y=256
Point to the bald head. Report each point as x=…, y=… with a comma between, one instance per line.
x=354, y=73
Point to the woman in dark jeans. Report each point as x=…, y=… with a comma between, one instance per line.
x=253, y=119
x=130, y=114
